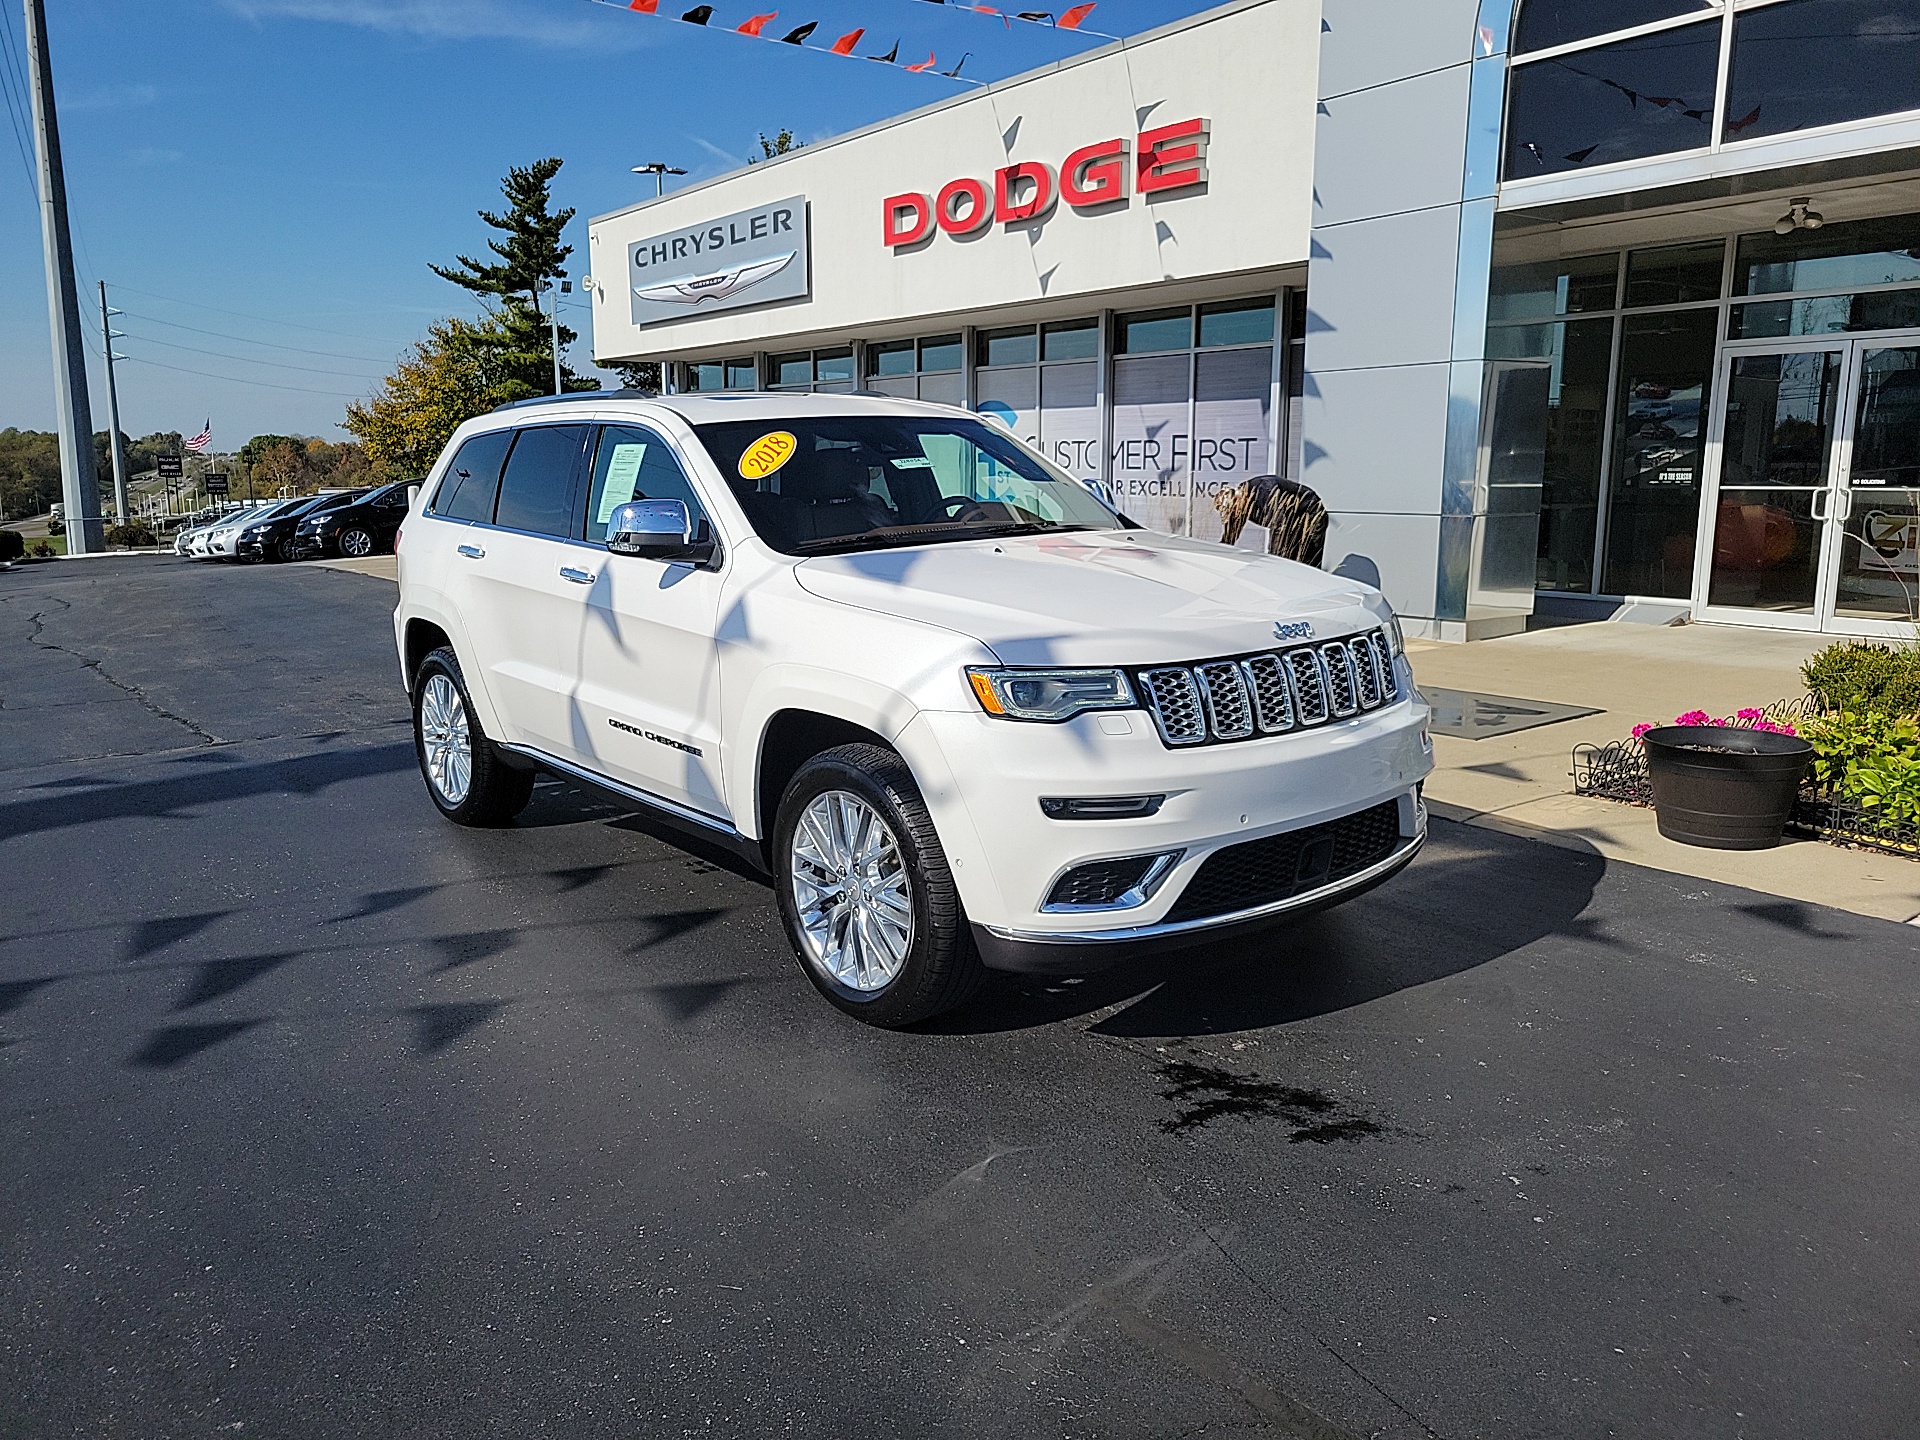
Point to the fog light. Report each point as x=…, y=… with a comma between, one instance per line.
x=1101, y=807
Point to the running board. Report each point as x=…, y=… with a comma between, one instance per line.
x=682, y=817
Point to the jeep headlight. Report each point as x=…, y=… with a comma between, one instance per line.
x=1019, y=694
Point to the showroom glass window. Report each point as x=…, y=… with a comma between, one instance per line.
x=1042, y=383
x=1596, y=83
x=1192, y=409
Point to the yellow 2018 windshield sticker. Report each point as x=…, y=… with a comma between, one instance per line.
x=767, y=454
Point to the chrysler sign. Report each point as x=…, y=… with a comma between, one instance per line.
x=1171, y=157
x=751, y=257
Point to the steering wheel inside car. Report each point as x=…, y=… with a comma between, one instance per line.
x=964, y=507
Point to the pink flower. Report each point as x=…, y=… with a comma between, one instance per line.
x=1759, y=715
x=1640, y=730
x=1693, y=717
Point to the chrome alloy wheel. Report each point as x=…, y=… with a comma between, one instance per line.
x=445, y=739
x=851, y=890
x=356, y=543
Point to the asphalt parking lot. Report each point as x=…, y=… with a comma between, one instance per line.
x=320, y=1117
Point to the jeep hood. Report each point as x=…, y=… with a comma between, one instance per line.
x=1096, y=598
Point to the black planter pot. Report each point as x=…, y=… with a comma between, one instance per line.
x=1724, y=787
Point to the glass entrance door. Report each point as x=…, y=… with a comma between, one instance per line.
x=1813, y=503
x=1876, y=587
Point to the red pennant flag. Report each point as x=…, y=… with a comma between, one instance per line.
x=844, y=45
x=926, y=64
x=757, y=23
x=1071, y=20
x=645, y=7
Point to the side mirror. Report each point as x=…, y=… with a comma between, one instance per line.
x=658, y=530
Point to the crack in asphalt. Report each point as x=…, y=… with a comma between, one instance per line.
x=87, y=662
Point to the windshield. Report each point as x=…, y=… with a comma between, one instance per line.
x=822, y=484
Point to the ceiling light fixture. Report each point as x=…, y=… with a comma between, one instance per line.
x=1799, y=217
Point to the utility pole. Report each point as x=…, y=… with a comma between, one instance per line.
x=74, y=416
x=107, y=334
x=565, y=287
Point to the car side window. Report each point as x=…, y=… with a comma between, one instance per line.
x=630, y=463
x=467, y=490
x=536, y=488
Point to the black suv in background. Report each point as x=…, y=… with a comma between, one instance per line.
x=364, y=525
x=272, y=539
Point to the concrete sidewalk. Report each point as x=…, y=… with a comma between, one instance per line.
x=1523, y=784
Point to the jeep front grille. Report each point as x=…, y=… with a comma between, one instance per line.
x=1238, y=698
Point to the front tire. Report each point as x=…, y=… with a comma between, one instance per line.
x=864, y=888
x=357, y=544
x=465, y=774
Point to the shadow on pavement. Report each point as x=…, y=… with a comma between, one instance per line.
x=1454, y=909
x=161, y=799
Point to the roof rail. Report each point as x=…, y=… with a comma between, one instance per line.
x=578, y=395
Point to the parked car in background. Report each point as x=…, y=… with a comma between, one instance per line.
x=223, y=540
x=270, y=537
x=364, y=526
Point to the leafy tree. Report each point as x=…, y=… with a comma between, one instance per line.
x=641, y=375
x=29, y=471
x=462, y=369
x=778, y=145
x=529, y=255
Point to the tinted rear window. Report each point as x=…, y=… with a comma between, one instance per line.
x=536, y=489
x=467, y=491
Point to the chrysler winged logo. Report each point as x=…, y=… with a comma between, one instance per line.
x=1297, y=630
x=716, y=286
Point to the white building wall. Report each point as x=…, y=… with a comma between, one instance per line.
x=1248, y=68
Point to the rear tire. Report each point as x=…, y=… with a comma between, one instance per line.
x=466, y=776
x=866, y=893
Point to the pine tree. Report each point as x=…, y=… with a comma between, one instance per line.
x=531, y=255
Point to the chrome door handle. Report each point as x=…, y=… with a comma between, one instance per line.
x=472, y=552
x=1846, y=506
x=578, y=577
x=1814, y=512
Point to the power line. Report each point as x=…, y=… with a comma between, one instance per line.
x=245, y=340
x=244, y=315
x=18, y=110
x=243, y=359
x=236, y=380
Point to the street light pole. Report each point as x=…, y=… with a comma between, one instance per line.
x=659, y=169
x=73, y=415
x=107, y=335
x=553, y=321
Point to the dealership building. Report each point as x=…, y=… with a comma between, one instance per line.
x=1578, y=307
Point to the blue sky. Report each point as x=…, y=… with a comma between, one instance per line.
x=263, y=182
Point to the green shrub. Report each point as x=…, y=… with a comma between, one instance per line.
x=1862, y=677
x=131, y=536
x=12, y=545
x=1871, y=759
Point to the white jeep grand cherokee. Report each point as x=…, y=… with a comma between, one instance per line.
x=962, y=712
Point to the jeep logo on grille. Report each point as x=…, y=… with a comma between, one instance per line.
x=1297, y=630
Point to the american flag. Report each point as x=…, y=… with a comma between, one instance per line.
x=201, y=441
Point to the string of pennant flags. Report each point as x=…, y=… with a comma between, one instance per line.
x=755, y=27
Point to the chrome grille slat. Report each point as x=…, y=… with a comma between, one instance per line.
x=1341, y=697
x=1175, y=701
x=1366, y=680
x=1272, y=700
x=1229, y=716
x=1383, y=657
x=1309, y=686
x=1268, y=694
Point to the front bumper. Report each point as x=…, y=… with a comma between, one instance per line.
x=983, y=779
x=311, y=547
